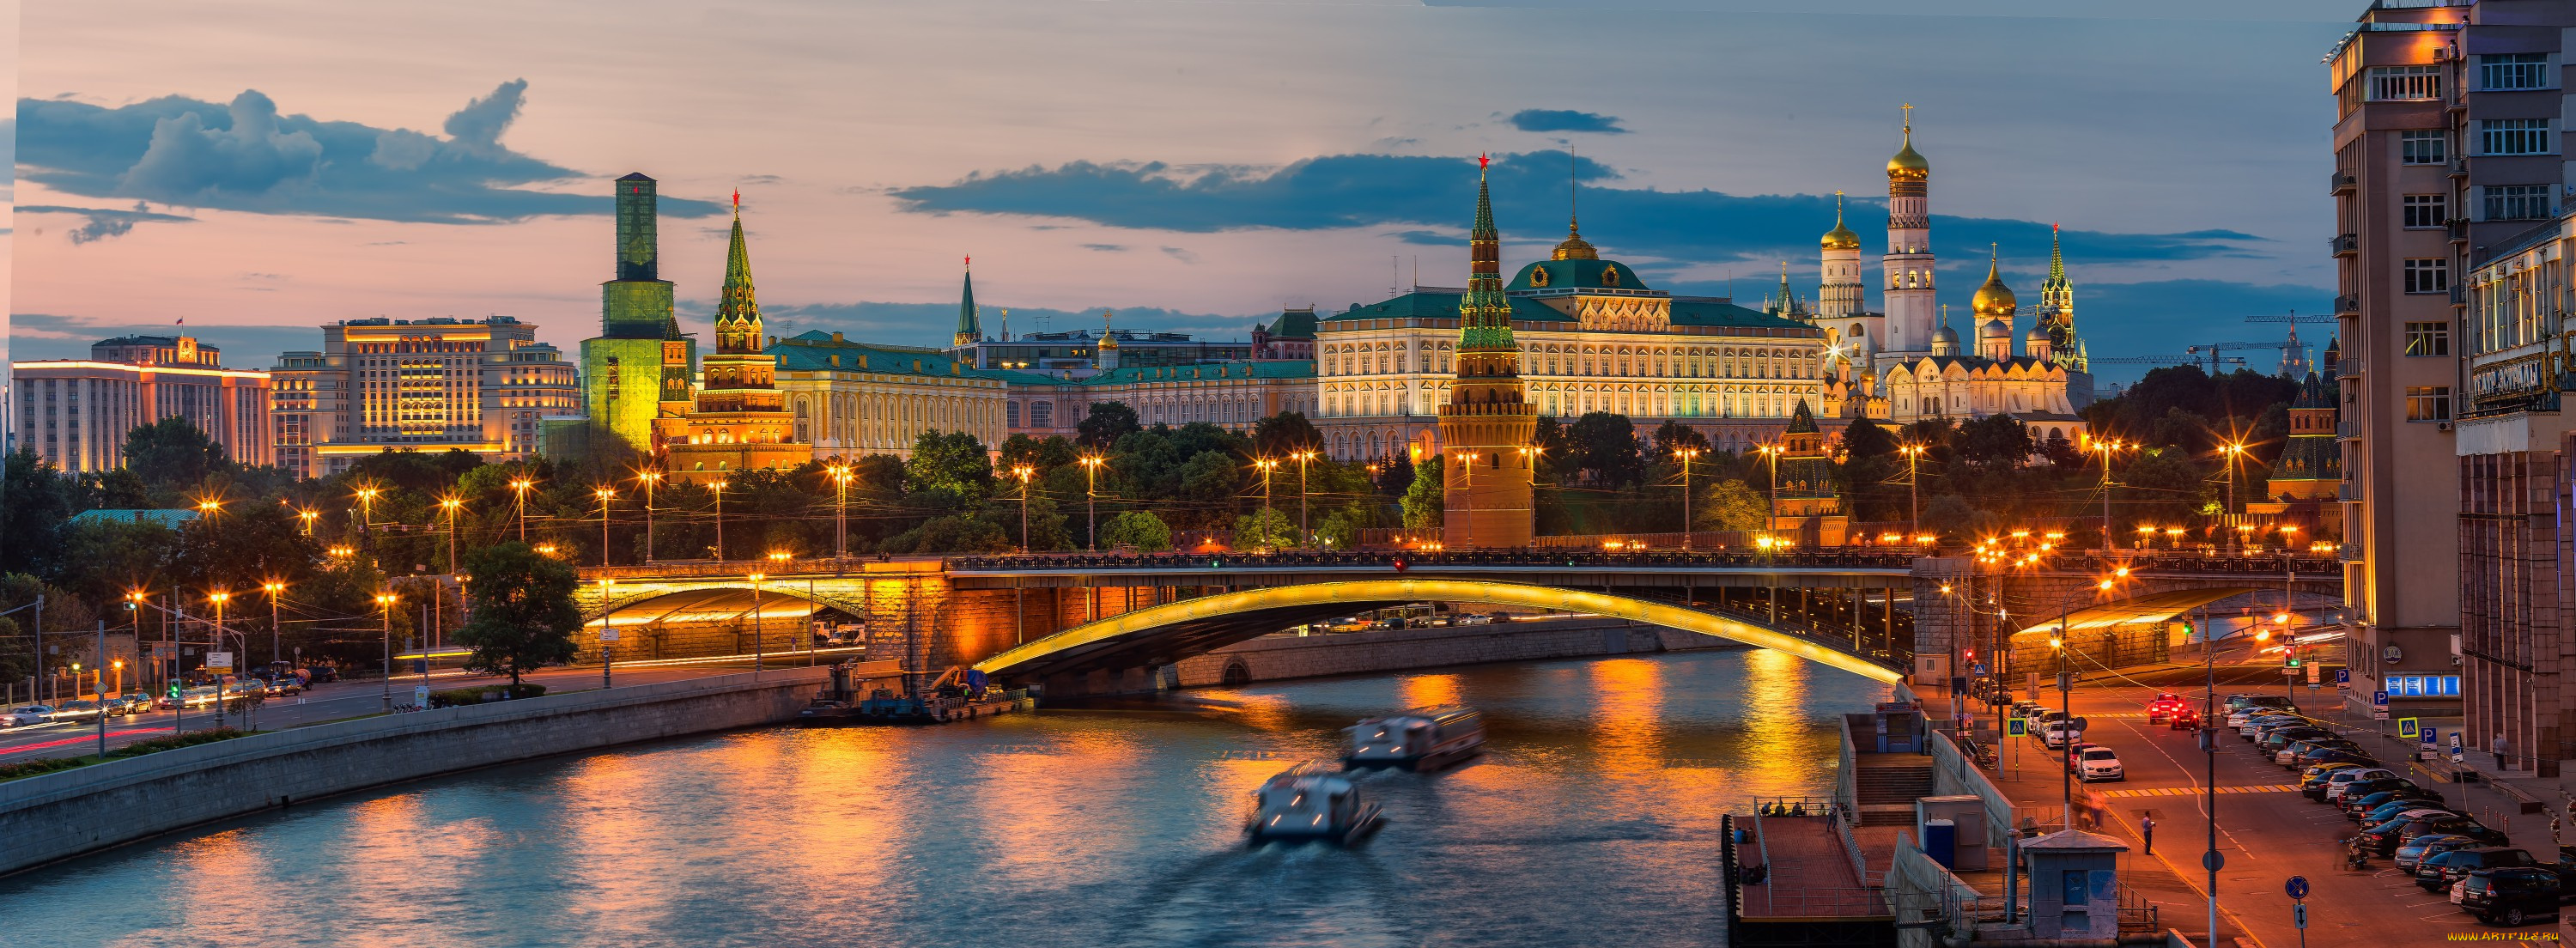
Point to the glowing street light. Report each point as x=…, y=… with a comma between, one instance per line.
x=273, y=588
x=1091, y=499
x=453, y=506
x=520, y=485
x=840, y=474
x=605, y=494
x=651, y=479
x=307, y=517
x=718, y=489
x=1913, y=487
x=385, y=603
x=1301, y=458
x=1686, y=453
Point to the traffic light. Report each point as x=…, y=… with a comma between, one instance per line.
x=174, y=689
x=2294, y=661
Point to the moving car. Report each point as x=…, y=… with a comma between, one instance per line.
x=2186, y=719
x=78, y=711
x=26, y=714
x=2509, y=897
x=2097, y=763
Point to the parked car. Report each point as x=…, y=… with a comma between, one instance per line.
x=2401, y=807
x=2289, y=755
x=2456, y=824
x=2384, y=837
x=2415, y=851
x=2055, y=734
x=2509, y=896
x=2336, y=782
x=2436, y=873
x=2097, y=763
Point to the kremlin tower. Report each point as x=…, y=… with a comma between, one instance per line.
x=740, y=420
x=1486, y=428
x=1908, y=263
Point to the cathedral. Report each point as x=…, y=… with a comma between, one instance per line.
x=1908, y=364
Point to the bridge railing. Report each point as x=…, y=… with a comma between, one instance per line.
x=1422, y=559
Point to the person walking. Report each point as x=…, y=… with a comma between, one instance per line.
x=2147, y=833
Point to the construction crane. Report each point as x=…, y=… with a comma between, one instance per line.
x=2293, y=318
x=2213, y=350
x=2168, y=360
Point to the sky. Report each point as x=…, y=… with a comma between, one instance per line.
x=259, y=169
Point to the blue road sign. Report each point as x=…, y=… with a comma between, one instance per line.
x=2406, y=727
x=2343, y=677
x=2379, y=698
x=2297, y=887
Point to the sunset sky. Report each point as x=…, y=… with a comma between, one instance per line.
x=262, y=168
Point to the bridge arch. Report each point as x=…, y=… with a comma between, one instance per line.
x=1162, y=634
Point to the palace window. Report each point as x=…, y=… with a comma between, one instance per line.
x=2427, y=210
x=2424, y=147
x=2428, y=339
x=1041, y=414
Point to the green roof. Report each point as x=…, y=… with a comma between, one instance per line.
x=167, y=518
x=1294, y=324
x=1209, y=372
x=1577, y=274
x=818, y=351
x=1706, y=312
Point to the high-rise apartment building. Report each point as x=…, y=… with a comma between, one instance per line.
x=2447, y=145
x=434, y=384
x=75, y=413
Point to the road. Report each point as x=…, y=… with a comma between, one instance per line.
x=334, y=701
x=2267, y=831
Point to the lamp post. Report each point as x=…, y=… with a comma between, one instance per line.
x=607, y=630
x=519, y=486
x=1091, y=500
x=367, y=510
x=755, y=624
x=605, y=494
x=272, y=588
x=841, y=517
x=1686, y=454
x=2106, y=449
x=1913, y=489
x=1302, y=457
x=385, y=603
x=307, y=517
x=1469, y=495
x=1532, y=454
x=1266, y=465
x=2231, y=451
x=452, y=505
x=1772, y=451
x=1024, y=473
x=651, y=479
x=718, y=488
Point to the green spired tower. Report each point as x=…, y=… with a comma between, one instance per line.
x=639, y=368
x=1486, y=427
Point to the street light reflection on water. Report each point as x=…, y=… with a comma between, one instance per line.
x=1591, y=820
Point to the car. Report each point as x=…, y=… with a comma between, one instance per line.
x=2402, y=806
x=2413, y=852
x=1499, y=618
x=2510, y=896
x=33, y=713
x=2185, y=719
x=2098, y=763
x=82, y=710
x=2055, y=734
x=2364, y=780
x=2254, y=726
x=2071, y=755
x=2321, y=781
x=2384, y=837
x=2456, y=824
x=2272, y=741
x=2163, y=707
x=2436, y=872
x=2311, y=753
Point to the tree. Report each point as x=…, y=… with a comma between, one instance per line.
x=951, y=465
x=1107, y=422
x=1674, y=434
x=1424, y=497
x=1044, y=454
x=172, y=454
x=1284, y=433
x=1996, y=442
x=955, y=534
x=523, y=616
x=1731, y=504
x=1266, y=528
x=1138, y=529
x=1338, y=531
x=1605, y=446
x=35, y=503
x=1210, y=480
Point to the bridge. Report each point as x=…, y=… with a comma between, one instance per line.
x=1099, y=624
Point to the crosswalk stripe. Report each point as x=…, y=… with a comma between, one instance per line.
x=2193, y=791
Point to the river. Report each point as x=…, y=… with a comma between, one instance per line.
x=1593, y=820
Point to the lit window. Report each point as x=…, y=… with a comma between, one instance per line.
x=2428, y=403
x=2428, y=339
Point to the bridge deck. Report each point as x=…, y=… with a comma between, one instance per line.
x=1811, y=877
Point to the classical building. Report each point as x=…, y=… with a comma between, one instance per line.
x=2309, y=472
x=1996, y=378
x=639, y=366
x=1230, y=395
x=739, y=421
x=1290, y=337
x=1805, y=508
x=435, y=384
x=1487, y=425
x=1591, y=336
x=75, y=413
x=1077, y=353
x=849, y=399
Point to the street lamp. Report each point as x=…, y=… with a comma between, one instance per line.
x=605, y=494
x=1469, y=496
x=367, y=508
x=1686, y=454
x=718, y=488
x=1266, y=465
x=841, y=518
x=2232, y=452
x=2106, y=449
x=520, y=485
x=755, y=623
x=307, y=517
x=385, y=603
x=1024, y=473
x=273, y=588
x=452, y=505
x=608, y=631
x=1302, y=457
x=209, y=507
x=1091, y=499
x=651, y=479
x=1772, y=452
x=1913, y=488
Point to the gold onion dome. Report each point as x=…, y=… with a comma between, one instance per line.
x=1994, y=298
x=1841, y=237
x=1908, y=162
x=1574, y=247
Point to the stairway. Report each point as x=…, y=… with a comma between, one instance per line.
x=1886, y=793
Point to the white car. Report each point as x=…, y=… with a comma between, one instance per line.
x=2337, y=781
x=2055, y=734
x=2098, y=763
x=26, y=714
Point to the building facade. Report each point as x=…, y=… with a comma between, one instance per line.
x=639, y=367
x=435, y=384
x=846, y=399
x=1487, y=425
x=75, y=413
x=738, y=420
x=2447, y=138
x=1229, y=395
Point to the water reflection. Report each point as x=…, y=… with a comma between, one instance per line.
x=1592, y=820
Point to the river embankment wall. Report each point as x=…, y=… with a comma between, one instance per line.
x=1279, y=657
x=68, y=813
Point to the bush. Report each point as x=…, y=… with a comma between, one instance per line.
x=42, y=765
x=176, y=741
x=455, y=697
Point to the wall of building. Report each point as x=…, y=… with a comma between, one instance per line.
x=68, y=813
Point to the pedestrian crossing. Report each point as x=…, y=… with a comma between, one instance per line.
x=2196, y=791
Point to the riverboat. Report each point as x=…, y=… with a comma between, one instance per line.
x=1311, y=803
x=1419, y=739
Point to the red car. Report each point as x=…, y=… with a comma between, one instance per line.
x=2184, y=719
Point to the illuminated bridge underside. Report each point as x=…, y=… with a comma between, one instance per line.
x=1163, y=634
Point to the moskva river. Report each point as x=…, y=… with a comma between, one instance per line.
x=1593, y=820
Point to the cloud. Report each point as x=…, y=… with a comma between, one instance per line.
x=1565, y=120
x=1181, y=255
x=1106, y=248
x=249, y=156
x=1408, y=194
x=105, y=222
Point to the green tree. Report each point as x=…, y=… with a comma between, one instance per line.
x=35, y=503
x=1045, y=454
x=1105, y=424
x=1731, y=504
x=1266, y=528
x=1672, y=435
x=1424, y=497
x=1283, y=434
x=1605, y=446
x=1210, y=480
x=523, y=616
x=1996, y=442
x=951, y=465
x=1138, y=529
x=956, y=534
x=1338, y=531
x=172, y=454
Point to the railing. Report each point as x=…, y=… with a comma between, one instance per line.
x=2348, y=367
x=2339, y=181
x=2459, y=228
x=1417, y=559
x=2343, y=244
x=2347, y=304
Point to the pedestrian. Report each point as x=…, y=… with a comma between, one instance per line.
x=2147, y=833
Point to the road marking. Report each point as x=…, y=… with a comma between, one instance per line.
x=2190, y=791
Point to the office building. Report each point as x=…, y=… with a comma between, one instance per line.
x=435, y=384
x=75, y=413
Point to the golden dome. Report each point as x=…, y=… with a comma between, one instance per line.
x=1574, y=247
x=1908, y=163
x=1994, y=298
x=1108, y=339
x=1841, y=237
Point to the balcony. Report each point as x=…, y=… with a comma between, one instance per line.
x=2347, y=429
x=2459, y=167
x=2460, y=296
x=2459, y=228
x=2348, y=367
x=2344, y=245
x=2349, y=552
x=2347, y=305
x=2340, y=182
x=2348, y=492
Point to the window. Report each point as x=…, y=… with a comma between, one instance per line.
x=2507, y=71
x=2526, y=136
x=1011, y=415
x=2428, y=403
x=2428, y=339
x=1041, y=414
x=2431, y=275
x=2427, y=210
x=2506, y=202
x=2389, y=83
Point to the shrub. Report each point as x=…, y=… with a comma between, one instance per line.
x=454, y=697
x=176, y=741
x=42, y=765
